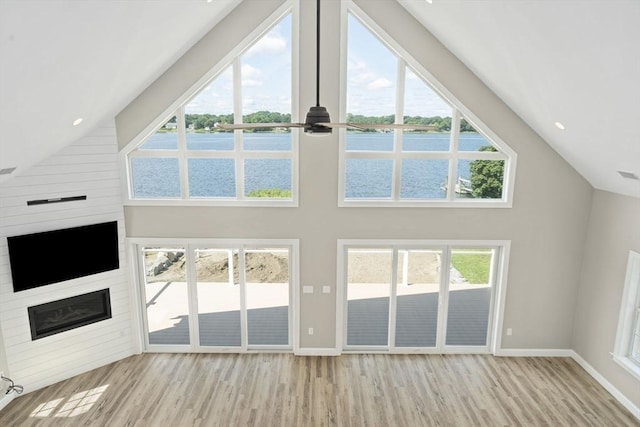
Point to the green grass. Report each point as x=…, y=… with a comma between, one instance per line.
x=272, y=193
x=473, y=267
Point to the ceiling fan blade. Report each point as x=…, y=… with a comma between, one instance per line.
x=367, y=126
x=391, y=126
x=241, y=126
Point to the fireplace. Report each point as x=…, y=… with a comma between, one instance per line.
x=69, y=313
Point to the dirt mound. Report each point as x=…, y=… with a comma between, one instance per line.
x=261, y=267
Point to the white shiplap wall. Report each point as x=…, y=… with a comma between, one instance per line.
x=88, y=167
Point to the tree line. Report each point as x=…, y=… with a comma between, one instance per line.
x=441, y=124
x=202, y=122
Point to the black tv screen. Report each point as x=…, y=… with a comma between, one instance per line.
x=55, y=256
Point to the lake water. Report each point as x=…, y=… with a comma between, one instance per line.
x=365, y=178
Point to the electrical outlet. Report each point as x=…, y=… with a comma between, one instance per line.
x=509, y=331
x=310, y=331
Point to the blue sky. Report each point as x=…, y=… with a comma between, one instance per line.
x=266, y=78
x=266, y=83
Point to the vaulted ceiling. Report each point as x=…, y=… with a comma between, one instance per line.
x=567, y=61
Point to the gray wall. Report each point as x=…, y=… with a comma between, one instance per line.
x=614, y=230
x=546, y=224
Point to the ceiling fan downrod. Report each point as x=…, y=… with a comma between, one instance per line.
x=317, y=113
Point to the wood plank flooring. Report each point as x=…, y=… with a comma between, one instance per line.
x=349, y=390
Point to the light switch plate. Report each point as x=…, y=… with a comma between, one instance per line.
x=326, y=289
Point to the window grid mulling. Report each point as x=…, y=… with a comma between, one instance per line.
x=453, y=155
x=238, y=154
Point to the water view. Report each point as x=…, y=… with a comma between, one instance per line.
x=155, y=177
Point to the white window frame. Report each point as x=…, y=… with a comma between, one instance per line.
x=629, y=317
x=498, y=298
x=238, y=153
x=504, y=153
x=136, y=245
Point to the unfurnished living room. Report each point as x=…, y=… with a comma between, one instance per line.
x=319, y=212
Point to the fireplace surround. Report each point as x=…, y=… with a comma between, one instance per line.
x=63, y=315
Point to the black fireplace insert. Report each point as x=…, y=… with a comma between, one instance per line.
x=69, y=313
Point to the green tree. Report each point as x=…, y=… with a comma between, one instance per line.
x=272, y=193
x=487, y=176
x=465, y=126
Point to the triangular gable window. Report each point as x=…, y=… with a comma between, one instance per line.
x=188, y=159
x=453, y=164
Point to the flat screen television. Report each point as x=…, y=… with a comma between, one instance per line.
x=40, y=259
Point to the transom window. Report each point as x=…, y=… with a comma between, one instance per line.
x=188, y=159
x=454, y=161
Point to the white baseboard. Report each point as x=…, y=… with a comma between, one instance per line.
x=624, y=401
x=6, y=399
x=316, y=352
x=534, y=352
x=617, y=394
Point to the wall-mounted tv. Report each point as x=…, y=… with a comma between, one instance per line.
x=40, y=259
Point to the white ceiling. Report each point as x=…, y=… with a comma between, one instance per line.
x=569, y=61
x=577, y=62
x=65, y=59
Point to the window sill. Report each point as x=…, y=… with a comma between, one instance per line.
x=274, y=203
x=408, y=203
x=627, y=365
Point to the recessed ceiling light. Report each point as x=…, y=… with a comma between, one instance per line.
x=628, y=175
x=6, y=171
x=429, y=1
x=77, y=121
x=559, y=125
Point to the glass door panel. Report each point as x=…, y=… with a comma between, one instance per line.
x=166, y=293
x=218, y=290
x=267, y=296
x=469, y=297
x=417, y=298
x=368, y=296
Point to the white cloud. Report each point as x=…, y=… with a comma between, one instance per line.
x=271, y=44
x=251, y=83
x=251, y=76
x=362, y=78
x=380, y=83
x=355, y=65
x=411, y=76
x=250, y=72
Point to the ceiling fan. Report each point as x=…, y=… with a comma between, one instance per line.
x=318, y=120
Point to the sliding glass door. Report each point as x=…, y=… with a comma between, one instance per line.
x=368, y=296
x=267, y=296
x=166, y=296
x=423, y=298
x=217, y=297
x=469, y=296
x=417, y=298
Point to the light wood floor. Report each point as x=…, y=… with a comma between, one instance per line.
x=350, y=390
